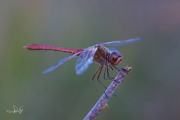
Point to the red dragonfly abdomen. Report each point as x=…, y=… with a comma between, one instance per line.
x=46, y=47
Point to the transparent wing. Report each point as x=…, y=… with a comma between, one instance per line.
x=60, y=62
x=117, y=43
x=110, y=50
x=85, y=59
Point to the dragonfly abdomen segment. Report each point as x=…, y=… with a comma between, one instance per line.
x=46, y=47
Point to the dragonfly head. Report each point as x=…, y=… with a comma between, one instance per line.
x=115, y=58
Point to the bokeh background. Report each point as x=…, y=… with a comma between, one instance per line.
x=151, y=91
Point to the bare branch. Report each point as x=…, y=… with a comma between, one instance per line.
x=108, y=93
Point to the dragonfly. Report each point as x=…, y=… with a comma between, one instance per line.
x=99, y=53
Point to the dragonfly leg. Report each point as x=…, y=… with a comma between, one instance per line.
x=99, y=70
x=101, y=67
x=119, y=69
x=106, y=73
x=103, y=87
x=96, y=72
x=100, y=88
x=108, y=78
x=111, y=67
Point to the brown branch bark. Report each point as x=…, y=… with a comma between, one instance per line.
x=109, y=92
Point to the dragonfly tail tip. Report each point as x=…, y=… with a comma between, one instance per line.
x=25, y=47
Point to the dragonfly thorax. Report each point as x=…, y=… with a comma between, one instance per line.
x=100, y=55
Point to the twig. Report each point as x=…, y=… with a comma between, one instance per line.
x=108, y=93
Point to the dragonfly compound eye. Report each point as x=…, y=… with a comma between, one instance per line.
x=115, y=58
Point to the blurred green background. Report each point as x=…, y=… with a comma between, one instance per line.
x=151, y=91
